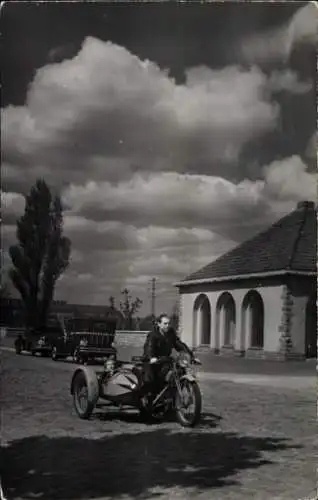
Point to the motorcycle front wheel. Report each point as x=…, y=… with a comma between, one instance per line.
x=188, y=404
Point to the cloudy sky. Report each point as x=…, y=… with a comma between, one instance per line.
x=172, y=132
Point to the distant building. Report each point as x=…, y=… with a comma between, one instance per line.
x=12, y=311
x=259, y=299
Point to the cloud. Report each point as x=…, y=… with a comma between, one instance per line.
x=303, y=27
x=155, y=237
x=289, y=180
x=166, y=199
x=146, y=166
x=174, y=263
x=12, y=206
x=162, y=224
x=277, y=44
x=87, y=234
x=108, y=255
x=111, y=114
x=166, y=252
x=112, y=270
x=288, y=81
x=194, y=201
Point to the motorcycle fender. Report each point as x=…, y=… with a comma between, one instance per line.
x=91, y=379
x=189, y=378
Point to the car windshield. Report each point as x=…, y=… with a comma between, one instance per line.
x=91, y=325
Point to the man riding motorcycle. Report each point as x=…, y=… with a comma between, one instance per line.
x=159, y=343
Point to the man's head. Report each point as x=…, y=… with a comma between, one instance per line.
x=163, y=323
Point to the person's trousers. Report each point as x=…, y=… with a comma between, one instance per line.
x=154, y=376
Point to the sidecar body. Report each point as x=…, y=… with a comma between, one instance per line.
x=120, y=388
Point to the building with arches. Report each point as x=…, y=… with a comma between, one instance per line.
x=259, y=299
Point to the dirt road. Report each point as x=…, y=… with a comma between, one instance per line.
x=254, y=443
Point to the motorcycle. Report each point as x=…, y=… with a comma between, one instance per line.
x=120, y=384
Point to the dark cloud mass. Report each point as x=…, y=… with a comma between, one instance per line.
x=172, y=132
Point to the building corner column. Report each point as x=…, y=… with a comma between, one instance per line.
x=285, y=340
x=180, y=322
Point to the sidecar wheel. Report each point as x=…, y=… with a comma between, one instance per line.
x=185, y=418
x=84, y=400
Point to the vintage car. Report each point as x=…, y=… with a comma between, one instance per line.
x=85, y=339
x=38, y=341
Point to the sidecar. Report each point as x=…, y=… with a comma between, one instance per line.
x=119, y=387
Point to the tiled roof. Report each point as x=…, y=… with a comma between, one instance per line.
x=290, y=244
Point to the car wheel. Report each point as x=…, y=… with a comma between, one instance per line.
x=18, y=348
x=76, y=356
x=54, y=355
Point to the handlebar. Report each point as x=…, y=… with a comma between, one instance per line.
x=169, y=359
x=162, y=359
x=196, y=361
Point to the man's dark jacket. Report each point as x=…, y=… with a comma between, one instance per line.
x=158, y=344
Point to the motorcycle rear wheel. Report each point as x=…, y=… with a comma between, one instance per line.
x=189, y=420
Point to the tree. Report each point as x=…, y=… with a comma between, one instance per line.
x=112, y=311
x=112, y=304
x=129, y=308
x=4, y=290
x=41, y=254
x=6, y=307
x=137, y=323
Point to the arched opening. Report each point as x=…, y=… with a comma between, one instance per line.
x=226, y=319
x=202, y=320
x=311, y=327
x=253, y=319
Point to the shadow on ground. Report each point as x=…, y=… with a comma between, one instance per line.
x=74, y=468
x=207, y=420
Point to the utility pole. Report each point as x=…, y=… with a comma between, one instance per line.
x=153, y=298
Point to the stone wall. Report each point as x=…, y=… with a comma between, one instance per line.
x=126, y=338
x=129, y=344
x=286, y=345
